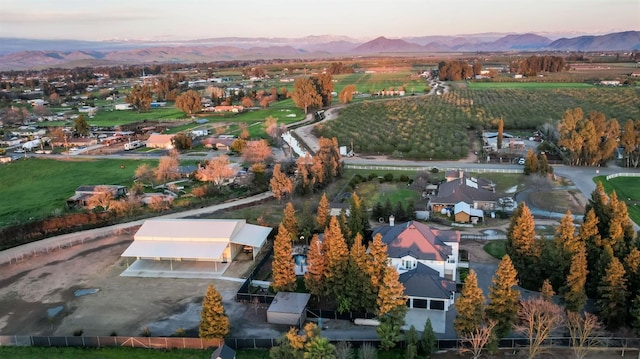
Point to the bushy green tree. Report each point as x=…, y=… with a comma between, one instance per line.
x=428, y=341
x=469, y=306
x=503, y=298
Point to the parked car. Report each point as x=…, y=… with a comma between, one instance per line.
x=521, y=161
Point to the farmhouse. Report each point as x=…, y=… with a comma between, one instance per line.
x=191, y=248
x=478, y=193
x=233, y=109
x=157, y=140
x=463, y=213
x=83, y=193
x=425, y=289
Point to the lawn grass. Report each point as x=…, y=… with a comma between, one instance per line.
x=496, y=248
x=503, y=181
x=526, y=85
x=36, y=188
x=114, y=118
x=627, y=189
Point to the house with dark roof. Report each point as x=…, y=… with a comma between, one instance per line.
x=425, y=289
x=476, y=192
x=84, y=193
x=413, y=242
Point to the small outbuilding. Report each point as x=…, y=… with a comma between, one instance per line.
x=288, y=308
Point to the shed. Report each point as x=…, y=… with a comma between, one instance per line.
x=288, y=308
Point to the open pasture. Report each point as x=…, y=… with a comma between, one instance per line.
x=526, y=85
x=371, y=82
x=37, y=188
x=627, y=189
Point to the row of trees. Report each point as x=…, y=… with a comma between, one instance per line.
x=536, y=164
x=458, y=70
x=532, y=65
x=600, y=261
x=310, y=93
x=591, y=140
x=313, y=173
x=481, y=324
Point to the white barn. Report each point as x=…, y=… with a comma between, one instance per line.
x=182, y=247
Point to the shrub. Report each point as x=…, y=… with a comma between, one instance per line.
x=146, y=332
x=388, y=177
x=404, y=178
x=113, y=334
x=435, y=170
x=78, y=332
x=180, y=332
x=372, y=176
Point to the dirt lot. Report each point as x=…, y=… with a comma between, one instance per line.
x=123, y=305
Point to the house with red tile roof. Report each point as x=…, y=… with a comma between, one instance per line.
x=427, y=260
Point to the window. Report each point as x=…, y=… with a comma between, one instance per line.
x=420, y=303
x=437, y=305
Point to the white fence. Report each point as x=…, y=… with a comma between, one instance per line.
x=623, y=174
x=428, y=167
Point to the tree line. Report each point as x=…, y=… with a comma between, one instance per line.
x=533, y=65
x=601, y=260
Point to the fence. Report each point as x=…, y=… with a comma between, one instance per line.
x=115, y=341
x=244, y=294
x=623, y=174
x=428, y=167
x=166, y=343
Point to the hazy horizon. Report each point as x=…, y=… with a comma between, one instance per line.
x=358, y=19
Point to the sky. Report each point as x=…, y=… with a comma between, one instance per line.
x=359, y=19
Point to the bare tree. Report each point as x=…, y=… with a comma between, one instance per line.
x=478, y=339
x=216, y=171
x=167, y=167
x=583, y=332
x=101, y=197
x=538, y=319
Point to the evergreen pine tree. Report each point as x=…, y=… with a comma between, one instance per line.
x=412, y=343
x=387, y=208
x=634, y=314
x=411, y=211
x=391, y=294
x=612, y=295
x=313, y=278
x=377, y=212
x=283, y=266
x=214, y=322
x=503, y=298
x=530, y=163
x=574, y=293
x=358, y=222
x=358, y=287
x=632, y=268
x=470, y=306
x=543, y=165
x=290, y=221
x=546, y=291
x=323, y=213
x=589, y=235
x=566, y=245
x=599, y=202
x=428, y=341
x=399, y=213
x=343, y=221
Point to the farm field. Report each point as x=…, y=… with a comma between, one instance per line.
x=36, y=188
x=474, y=85
x=435, y=126
x=367, y=83
x=627, y=189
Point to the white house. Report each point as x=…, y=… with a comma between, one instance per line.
x=123, y=106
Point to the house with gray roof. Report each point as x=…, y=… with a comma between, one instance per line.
x=476, y=192
x=425, y=289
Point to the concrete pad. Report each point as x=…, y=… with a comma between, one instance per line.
x=417, y=318
x=177, y=269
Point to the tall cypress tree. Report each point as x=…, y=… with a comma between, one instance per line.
x=470, y=306
x=358, y=222
x=214, y=322
x=290, y=221
x=503, y=297
x=566, y=245
x=313, y=278
x=377, y=261
x=283, y=266
x=323, y=213
x=523, y=247
x=573, y=292
x=359, y=288
x=391, y=294
x=612, y=294
x=337, y=259
x=591, y=237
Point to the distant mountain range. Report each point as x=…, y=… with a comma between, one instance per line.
x=18, y=53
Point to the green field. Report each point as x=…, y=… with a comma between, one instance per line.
x=527, y=85
x=368, y=83
x=496, y=248
x=36, y=188
x=627, y=189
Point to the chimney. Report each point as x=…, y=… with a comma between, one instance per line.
x=392, y=220
x=460, y=174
